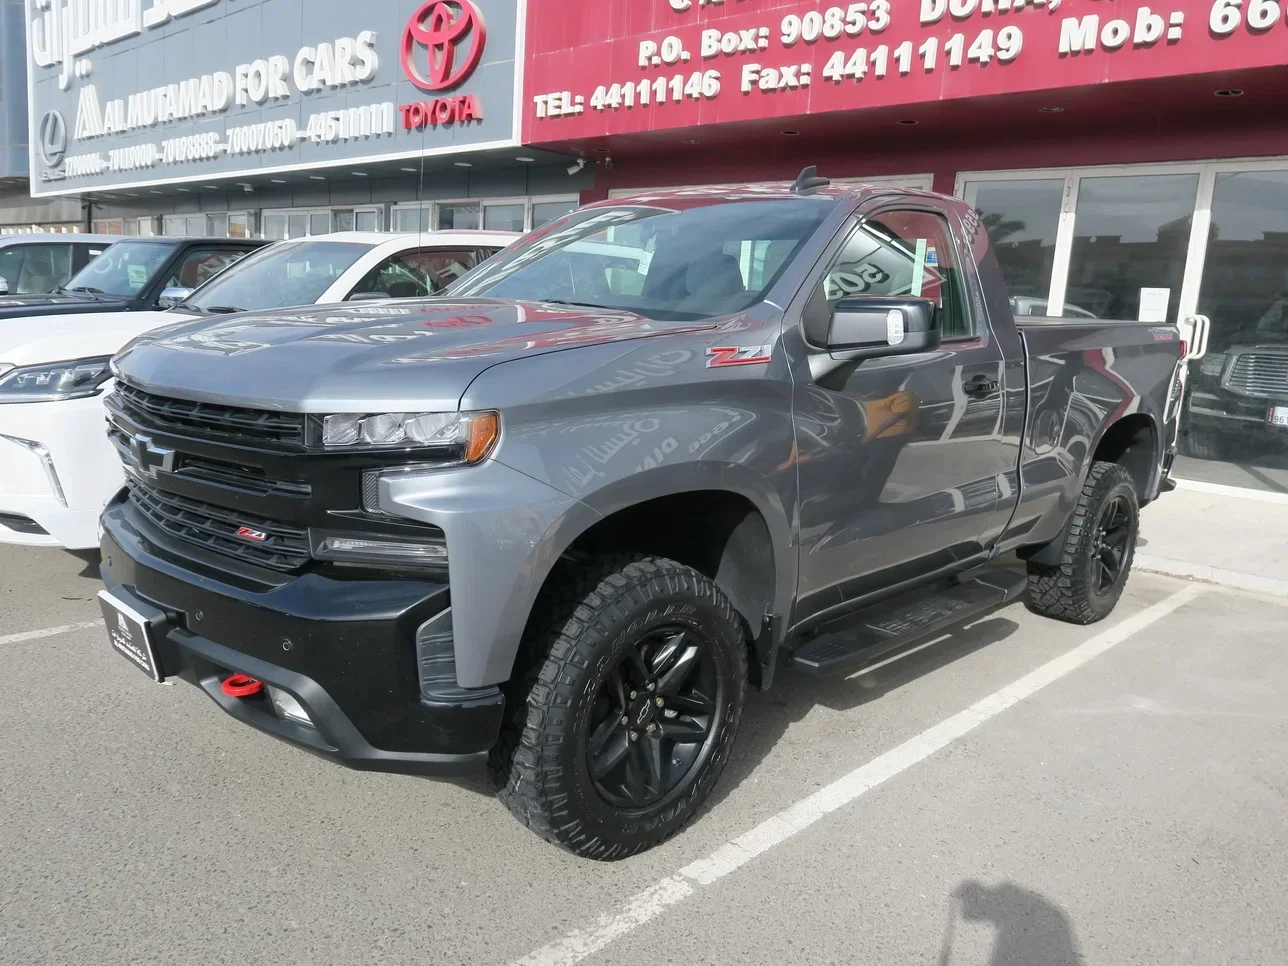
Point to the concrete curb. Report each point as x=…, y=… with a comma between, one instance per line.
x=1238, y=492
x=1212, y=575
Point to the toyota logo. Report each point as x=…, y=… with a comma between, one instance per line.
x=453, y=34
x=53, y=138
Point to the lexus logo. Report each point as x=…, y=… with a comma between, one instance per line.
x=453, y=35
x=149, y=457
x=53, y=138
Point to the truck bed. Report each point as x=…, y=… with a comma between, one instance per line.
x=1085, y=375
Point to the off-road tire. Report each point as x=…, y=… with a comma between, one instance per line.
x=1068, y=591
x=538, y=762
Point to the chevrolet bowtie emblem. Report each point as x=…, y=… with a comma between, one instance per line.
x=149, y=457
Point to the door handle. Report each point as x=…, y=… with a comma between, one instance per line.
x=980, y=385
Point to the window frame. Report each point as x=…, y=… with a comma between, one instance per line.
x=308, y=215
x=432, y=207
x=965, y=263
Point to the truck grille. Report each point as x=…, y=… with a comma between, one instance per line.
x=180, y=415
x=249, y=479
x=283, y=547
x=223, y=473
x=1261, y=373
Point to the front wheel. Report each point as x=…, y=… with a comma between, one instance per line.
x=1099, y=546
x=620, y=729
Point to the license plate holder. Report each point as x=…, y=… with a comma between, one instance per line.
x=130, y=634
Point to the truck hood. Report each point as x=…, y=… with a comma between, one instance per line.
x=395, y=356
x=64, y=337
x=18, y=306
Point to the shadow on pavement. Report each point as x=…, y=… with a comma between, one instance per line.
x=1031, y=930
x=91, y=560
x=768, y=715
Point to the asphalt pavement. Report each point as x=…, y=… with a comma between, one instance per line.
x=1018, y=793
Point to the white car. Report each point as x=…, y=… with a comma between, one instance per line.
x=57, y=466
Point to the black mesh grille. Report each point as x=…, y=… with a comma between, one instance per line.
x=251, y=479
x=371, y=492
x=269, y=543
x=181, y=415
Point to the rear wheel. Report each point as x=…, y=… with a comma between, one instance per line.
x=1099, y=546
x=621, y=727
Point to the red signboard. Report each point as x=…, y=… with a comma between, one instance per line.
x=627, y=66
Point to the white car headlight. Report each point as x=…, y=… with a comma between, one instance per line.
x=54, y=381
x=457, y=437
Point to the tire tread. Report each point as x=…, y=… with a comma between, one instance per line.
x=570, y=623
x=1063, y=591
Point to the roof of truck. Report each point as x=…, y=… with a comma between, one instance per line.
x=774, y=190
x=442, y=236
x=58, y=237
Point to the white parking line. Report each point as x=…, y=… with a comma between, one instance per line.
x=653, y=901
x=47, y=632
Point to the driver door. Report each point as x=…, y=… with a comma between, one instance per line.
x=902, y=459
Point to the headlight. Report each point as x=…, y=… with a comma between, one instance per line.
x=457, y=437
x=54, y=381
x=1212, y=365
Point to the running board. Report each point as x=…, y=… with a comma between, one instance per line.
x=896, y=624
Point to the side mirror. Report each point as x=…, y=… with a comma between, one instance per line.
x=865, y=327
x=4, y=285
x=173, y=296
x=367, y=296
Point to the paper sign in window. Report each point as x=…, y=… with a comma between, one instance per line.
x=919, y=268
x=1153, y=304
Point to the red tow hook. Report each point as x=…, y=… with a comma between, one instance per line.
x=241, y=686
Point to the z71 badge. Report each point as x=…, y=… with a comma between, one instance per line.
x=747, y=355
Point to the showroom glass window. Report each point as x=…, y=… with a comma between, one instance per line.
x=1022, y=218
x=1131, y=232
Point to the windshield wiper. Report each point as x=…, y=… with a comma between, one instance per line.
x=88, y=290
x=584, y=305
x=220, y=309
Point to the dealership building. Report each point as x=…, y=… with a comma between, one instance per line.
x=1131, y=161
x=286, y=118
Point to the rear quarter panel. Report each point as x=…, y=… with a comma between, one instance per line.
x=1082, y=378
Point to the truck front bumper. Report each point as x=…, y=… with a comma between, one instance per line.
x=351, y=652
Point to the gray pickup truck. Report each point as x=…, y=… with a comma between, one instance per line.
x=555, y=522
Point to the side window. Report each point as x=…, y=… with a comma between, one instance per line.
x=200, y=265
x=35, y=269
x=417, y=274
x=903, y=253
x=82, y=255
x=11, y=260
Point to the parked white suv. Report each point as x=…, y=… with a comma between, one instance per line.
x=57, y=466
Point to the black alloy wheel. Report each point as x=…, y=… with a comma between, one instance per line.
x=1113, y=533
x=652, y=717
x=1095, y=551
x=625, y=709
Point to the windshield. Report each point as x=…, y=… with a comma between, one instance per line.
x=661, y=262
x=288, y=273
x=123, y=270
